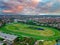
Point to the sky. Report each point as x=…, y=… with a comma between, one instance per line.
x=30, y=7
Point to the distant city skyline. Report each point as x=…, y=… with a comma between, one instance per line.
x=30, y=7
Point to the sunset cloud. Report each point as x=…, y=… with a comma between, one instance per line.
x=30, y=6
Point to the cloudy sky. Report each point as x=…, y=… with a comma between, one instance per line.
x=30, y=7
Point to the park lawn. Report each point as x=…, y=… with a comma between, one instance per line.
x=20, y=29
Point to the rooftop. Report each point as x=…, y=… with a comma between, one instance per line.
x=7, y=36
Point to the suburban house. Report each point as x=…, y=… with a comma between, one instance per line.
x=8, y=39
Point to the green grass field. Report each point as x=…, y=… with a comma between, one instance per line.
x=20, y=29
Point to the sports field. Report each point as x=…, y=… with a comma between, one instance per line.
x=20, y=29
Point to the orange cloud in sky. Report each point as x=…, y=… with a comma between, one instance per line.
x=32, y=4
x=35, y=2
x=19, y=8
x=8, y=11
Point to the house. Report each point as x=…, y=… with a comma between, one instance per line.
x=8, y=39
x=15, y=20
